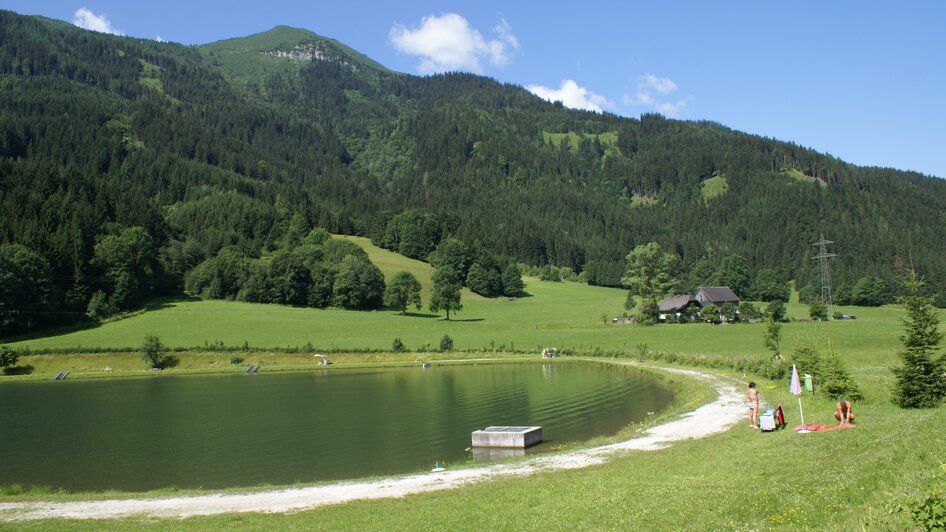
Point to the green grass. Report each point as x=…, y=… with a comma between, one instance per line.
x=390, y=263
x=714, y=186
x=565, y=315
x=798, y=175
x=740, y=479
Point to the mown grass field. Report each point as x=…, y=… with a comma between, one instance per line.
x=740, y=479
x=565, y=315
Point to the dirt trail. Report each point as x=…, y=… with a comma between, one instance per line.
x=717, y=416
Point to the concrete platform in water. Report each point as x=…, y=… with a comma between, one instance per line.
x=507, y=437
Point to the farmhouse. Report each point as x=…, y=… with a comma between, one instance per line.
x=715, y=295
x=675, y=306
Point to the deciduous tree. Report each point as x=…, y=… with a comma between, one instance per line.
x=649, y=272
x=358, y=284
x=446, y=291
x=402, y=292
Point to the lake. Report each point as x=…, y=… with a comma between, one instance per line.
x=247, y=430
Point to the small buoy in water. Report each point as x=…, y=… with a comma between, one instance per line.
x=438, y=468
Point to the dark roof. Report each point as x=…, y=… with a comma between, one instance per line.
x=719, y=294
x=674, y=303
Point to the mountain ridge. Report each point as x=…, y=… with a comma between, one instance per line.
x=209, y=150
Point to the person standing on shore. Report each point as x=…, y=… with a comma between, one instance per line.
x=753, y=406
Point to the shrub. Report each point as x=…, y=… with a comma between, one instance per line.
x=152, y=352
x=836, y=382
x=446, y=343
x=8, y=357
x=710, y=313
x=818, y=310
x=98, y=307
x=929, y=510
x=830, y=375
x=397, y=345
x=775, y=369
x=775, y=311
x=748, y=312
x=649, y=312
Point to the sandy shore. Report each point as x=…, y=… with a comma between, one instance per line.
x=717, y=416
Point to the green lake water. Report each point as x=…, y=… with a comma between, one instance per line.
x=247, y=430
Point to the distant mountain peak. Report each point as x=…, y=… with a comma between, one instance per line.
x=295, y=44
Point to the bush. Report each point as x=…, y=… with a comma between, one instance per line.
x=775, y=369
x=710, y=313
x=446, y=343
x=836, y=382
x=818, y=310
x=98, y=307
x=152, y=352
x=929, y=511
x=649, y=312
x=775, y=311
x=8, y=357
x=748, y=312
x=830, y=375
x=397, y=345
x=806, y=359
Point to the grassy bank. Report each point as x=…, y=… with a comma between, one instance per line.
x=130, y=364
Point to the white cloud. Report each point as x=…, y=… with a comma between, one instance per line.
x=158, y=38
x=88, y=20
x=650, y=92
x=504, y=31
x=448, y=42
x=661, y=85
x=572, y=95
x=641, y=98
x=672, y=110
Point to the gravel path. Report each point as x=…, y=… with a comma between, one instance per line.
x=717, y=416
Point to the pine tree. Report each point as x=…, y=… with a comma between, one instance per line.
x=921, y=380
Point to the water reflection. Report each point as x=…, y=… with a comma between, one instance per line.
x=231, y=431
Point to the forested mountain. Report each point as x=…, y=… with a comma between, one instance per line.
x=123, y=158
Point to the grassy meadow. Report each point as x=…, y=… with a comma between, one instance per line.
x=741, y=479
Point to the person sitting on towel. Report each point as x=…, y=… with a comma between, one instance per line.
x=843, y=413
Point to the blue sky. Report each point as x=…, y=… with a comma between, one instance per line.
x=864, y=81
